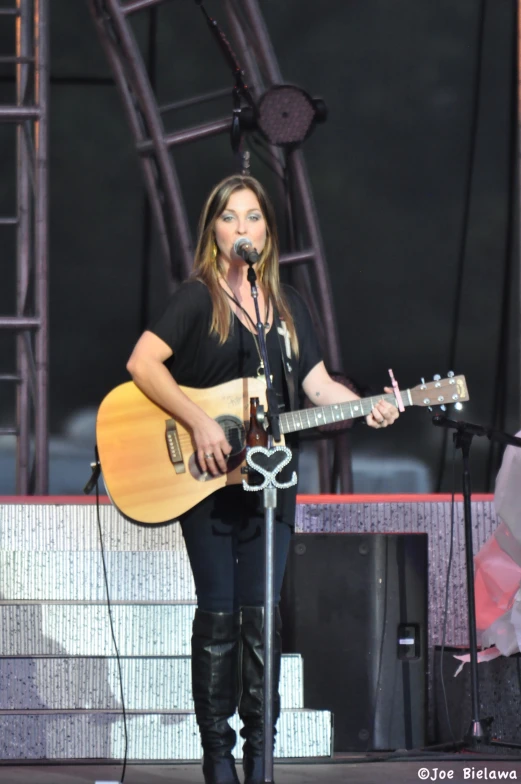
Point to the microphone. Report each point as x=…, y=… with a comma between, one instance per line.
x=243, y=247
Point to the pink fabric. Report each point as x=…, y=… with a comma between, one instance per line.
x=496, y=580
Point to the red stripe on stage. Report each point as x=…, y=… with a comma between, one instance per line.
x=387, y=498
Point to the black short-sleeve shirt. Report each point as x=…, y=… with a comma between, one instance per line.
x=199, y=361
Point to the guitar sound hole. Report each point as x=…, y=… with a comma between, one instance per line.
x=234, y=432
x=236, y=436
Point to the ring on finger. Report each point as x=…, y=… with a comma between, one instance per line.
x=209, y=455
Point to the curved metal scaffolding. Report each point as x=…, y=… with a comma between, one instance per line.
x=153, y=144
x=30, y=219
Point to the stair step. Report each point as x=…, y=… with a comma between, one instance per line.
x=149, y=684
x=84, y=629
x=58, y=527
x=65, y=576
x=153, y=736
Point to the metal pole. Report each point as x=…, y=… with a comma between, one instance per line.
x=270, y=502
x=325, y=296
x=477, y=731
x=467, y=490
x=148, y=103
x=41, y=211
x=266, y=53
x=331, y=338
x=139, y=5
x=23, y=249
x=149, y=166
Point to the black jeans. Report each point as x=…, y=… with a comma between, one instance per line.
x=224, y=537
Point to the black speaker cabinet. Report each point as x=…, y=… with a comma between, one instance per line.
x=355, y=607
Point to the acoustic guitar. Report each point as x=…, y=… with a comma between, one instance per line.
x=148, y=461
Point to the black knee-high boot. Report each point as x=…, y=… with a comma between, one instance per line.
x=251, y=699
x=215, y=647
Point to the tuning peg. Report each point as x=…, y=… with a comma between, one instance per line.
x=443, y=408
x=458, y=406
x=450, y=374
x=423, y=381
x=430, y=408
x=437, y=377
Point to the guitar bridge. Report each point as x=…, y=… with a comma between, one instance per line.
x=174, y=447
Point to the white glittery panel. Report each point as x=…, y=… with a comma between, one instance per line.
x=73, y=576
x=433, y=518
x=84, y=630
x=170, y=736
x=93, y=684
x=47, y=527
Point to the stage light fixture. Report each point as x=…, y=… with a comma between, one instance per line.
x=285, y=115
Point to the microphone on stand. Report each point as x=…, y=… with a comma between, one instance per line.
x=243, y=247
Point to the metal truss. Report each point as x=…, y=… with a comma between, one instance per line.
x=154, y=146
x=30, y=221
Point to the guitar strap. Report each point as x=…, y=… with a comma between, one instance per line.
x=288, y=360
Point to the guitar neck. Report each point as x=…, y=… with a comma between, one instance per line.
x=294, y=421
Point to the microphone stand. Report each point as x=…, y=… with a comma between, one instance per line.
x=479, y=730
x=269, y=487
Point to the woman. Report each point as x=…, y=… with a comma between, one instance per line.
x=207, y=336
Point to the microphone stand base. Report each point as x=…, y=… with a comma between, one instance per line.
x=505, y=743
x=478, y=732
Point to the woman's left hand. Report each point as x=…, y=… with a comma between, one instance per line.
x=383, y=414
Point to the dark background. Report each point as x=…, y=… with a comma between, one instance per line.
x=421, y=106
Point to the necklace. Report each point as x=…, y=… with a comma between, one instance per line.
x=261, y=369
x=234, y=299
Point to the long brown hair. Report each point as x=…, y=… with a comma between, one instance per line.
x=207, y=266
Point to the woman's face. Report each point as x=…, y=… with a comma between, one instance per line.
x=242, y=217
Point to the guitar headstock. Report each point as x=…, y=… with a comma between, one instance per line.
x=440, y=391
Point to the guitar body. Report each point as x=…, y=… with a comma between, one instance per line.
x=138, y=471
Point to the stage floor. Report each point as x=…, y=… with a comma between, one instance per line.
x=353, y=769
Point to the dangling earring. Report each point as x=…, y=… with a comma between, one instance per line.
x=214, y=251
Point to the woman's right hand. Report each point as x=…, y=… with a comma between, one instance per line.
x=211, y=445
x=147, y=368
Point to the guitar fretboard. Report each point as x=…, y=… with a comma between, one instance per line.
x=306, y=418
